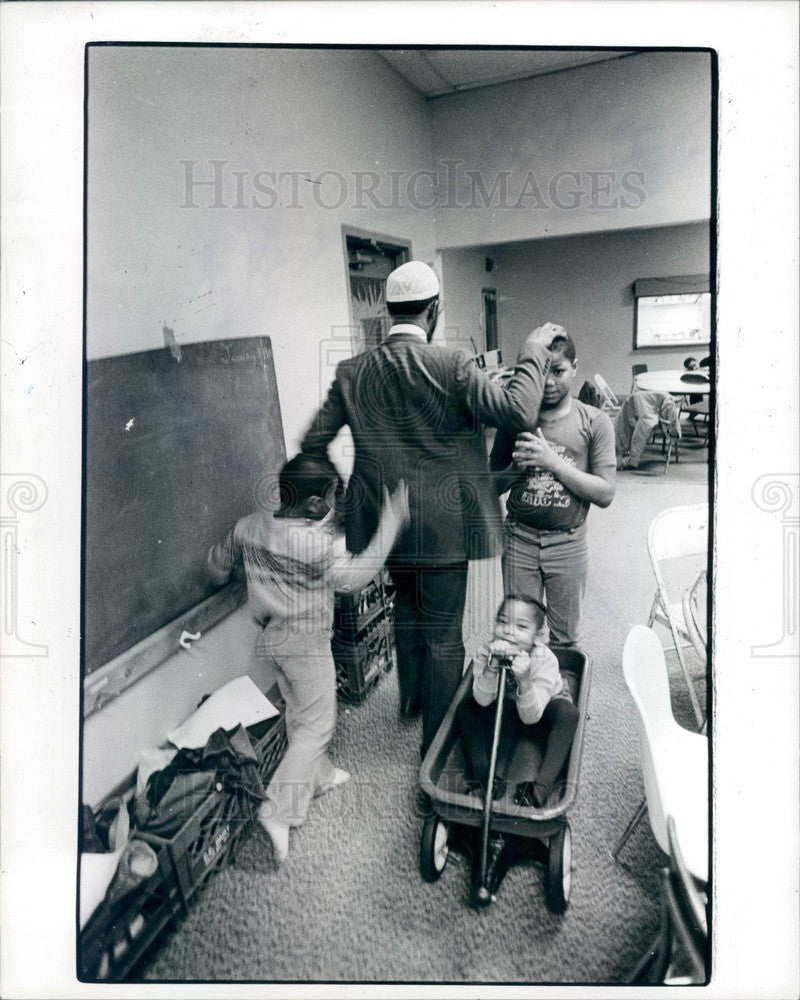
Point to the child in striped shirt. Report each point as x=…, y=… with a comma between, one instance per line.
x=294, y=561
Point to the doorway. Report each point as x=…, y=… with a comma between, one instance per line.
x=370, y=261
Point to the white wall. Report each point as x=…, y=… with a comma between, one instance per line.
x=647, y=114
x=581, y=282
x=212, y=272
x=219, y=270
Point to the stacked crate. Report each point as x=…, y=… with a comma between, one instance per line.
x=116, y=941
x=363, y=638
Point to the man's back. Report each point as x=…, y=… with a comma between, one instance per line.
x=411, y=409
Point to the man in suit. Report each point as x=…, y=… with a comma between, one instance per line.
x=415, y=410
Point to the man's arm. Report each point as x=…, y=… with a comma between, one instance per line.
x=326, y=424
x=516, y=404
x=505, y=474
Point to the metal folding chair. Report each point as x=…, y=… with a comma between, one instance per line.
x=694, y=614
x=609, y=402
x=674, y=533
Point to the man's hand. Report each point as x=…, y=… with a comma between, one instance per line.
x=543, y=336
x=533, y=450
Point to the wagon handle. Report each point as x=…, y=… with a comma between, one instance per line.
x=483, y=891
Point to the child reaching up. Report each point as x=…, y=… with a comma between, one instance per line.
x=536, y=697
x=294, y=561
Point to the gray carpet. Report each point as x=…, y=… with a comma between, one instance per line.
x=349, y=903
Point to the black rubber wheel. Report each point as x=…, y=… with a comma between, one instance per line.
x=433, y=850
x=559, y=870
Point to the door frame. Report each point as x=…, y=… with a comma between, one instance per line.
x=391, y=242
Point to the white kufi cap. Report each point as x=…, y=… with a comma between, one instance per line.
x=413, y=281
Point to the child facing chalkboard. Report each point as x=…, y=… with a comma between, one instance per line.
x=294, y=560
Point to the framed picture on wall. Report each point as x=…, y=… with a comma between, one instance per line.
x=672, y=312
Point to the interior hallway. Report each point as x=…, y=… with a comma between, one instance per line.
x=349, y=904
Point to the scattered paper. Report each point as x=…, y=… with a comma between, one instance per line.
x=239, y=702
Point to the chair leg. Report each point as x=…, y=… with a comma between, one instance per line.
x=698, y=712
x=653, y=611
x=669, y=453
x=635, y=821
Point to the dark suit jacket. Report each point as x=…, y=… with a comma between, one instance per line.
x=415, y=412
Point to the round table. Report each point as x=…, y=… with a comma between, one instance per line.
x=671, y=381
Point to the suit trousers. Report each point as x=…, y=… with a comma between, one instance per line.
x=300, y=653
x=429, y=614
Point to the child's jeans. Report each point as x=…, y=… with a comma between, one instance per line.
x=301, y=655
x=556, y=728
x=476, y=723
x=553, y=565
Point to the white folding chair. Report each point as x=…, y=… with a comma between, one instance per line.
x=684, y=922
x=675, y=533
x=610, y=403
x=694, y=615
x=674, y=760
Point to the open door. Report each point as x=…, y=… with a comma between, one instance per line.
x=370, y=261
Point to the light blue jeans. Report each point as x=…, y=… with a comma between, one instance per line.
x=553, y=566
x=303, y=663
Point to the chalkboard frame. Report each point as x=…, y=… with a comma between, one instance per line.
x=109, y=681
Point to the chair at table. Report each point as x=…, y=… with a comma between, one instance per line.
x=673, y=534
x=609, y=402
x=697, y=412
x=636, y=370
x=674, y=760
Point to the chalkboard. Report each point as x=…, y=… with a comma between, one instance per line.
x=180, y=443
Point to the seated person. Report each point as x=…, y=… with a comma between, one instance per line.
x=693, y=365
x=641, y=413
x=537, y=698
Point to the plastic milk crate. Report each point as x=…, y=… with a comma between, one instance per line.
x=204, y=843
x=207, y=839
x=114, y=941
x=363, y=638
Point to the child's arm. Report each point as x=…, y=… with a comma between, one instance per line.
x=222, y=557
x=597, y=487
x=538, y=680
x=484, y=677
x=351, y=572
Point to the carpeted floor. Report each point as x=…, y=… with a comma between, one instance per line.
x=349, y=903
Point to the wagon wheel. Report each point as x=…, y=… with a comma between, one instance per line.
x=434, y=849
x=559, y=870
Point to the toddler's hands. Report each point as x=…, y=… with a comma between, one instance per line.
x=521, y=665
x=500, y=649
